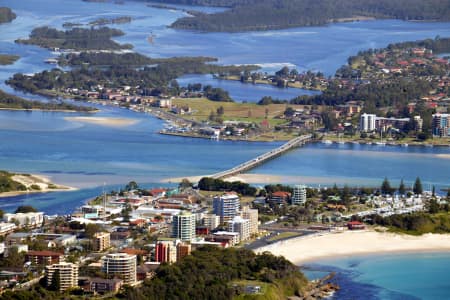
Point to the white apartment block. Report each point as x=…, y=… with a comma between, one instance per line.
x=68, y=275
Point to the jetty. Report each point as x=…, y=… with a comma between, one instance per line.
x=263, y=157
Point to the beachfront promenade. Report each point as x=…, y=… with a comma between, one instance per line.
x=263, y=157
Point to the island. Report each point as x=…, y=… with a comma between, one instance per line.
x=6, y=15
x=100, y=22
x=7, y=59
x=274, y=14
x=75, y=39
x=13, y=184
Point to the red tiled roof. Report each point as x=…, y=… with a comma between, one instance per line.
x=355, y=223
x=281, y=194
x=133, y=251
x=43, y=253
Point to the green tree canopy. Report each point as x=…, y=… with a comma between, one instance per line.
x=386, y=187
x=417, y=189
x=25, y=209
x=401, y=188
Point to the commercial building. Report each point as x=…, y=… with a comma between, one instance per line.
x=241, y=226
x=441, y=125
x=367, y=122
x=44, y=257
x=226, y=206
x=252, y=216
x=101, y=241
x=120, y=265
x=166, y=251
x=384, y=124
x=6, y=228
x=68, y=275
x=183, y=250
x=31, y=219
x=100, y=285
x=280, y=197
x=183, y=226
x=211, y=221
x=299, y=195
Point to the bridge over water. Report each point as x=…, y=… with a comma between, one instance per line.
x=263, y=157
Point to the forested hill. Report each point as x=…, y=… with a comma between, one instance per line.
x=6, y=15
x=276, y=14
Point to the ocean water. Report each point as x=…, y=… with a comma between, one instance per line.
x=87, y=155
x=390, y=276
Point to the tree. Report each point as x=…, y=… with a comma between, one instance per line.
x=289, y=112
x=401, y=188
x=220, y=111
x=25, y=209
x=55, y=285
x=433, y=206
x=92, y=229
x=185, y=183
x=417, y=189
x=132, y=185
x=433, y=192
x=386, y=186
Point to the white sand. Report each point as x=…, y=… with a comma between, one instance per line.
x=115, y=122
x=348, y=243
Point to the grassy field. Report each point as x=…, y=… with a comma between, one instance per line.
x=246, y=112
x=283, y=235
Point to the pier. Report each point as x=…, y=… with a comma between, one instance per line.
x=263, y=157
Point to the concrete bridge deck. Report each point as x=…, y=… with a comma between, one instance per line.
x=263, y=157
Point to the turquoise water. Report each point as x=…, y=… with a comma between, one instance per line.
x=86, y=155
x=394, y=276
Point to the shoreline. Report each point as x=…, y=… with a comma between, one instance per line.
x=49, y=110
x=324, y=246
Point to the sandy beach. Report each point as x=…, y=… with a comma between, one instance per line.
x=347, y=243
x=44, y=183
x=104, y=121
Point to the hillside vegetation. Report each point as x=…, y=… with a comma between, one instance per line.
x=7, y=184
x=211, y=273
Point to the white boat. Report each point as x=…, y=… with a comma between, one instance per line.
x=380, y=143
x=328, y=142
x=405, y=145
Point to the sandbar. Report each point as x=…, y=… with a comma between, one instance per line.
x=104, y=121
x=348, y=243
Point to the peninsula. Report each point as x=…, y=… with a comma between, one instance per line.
x=11, y=102
x=13, y=184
